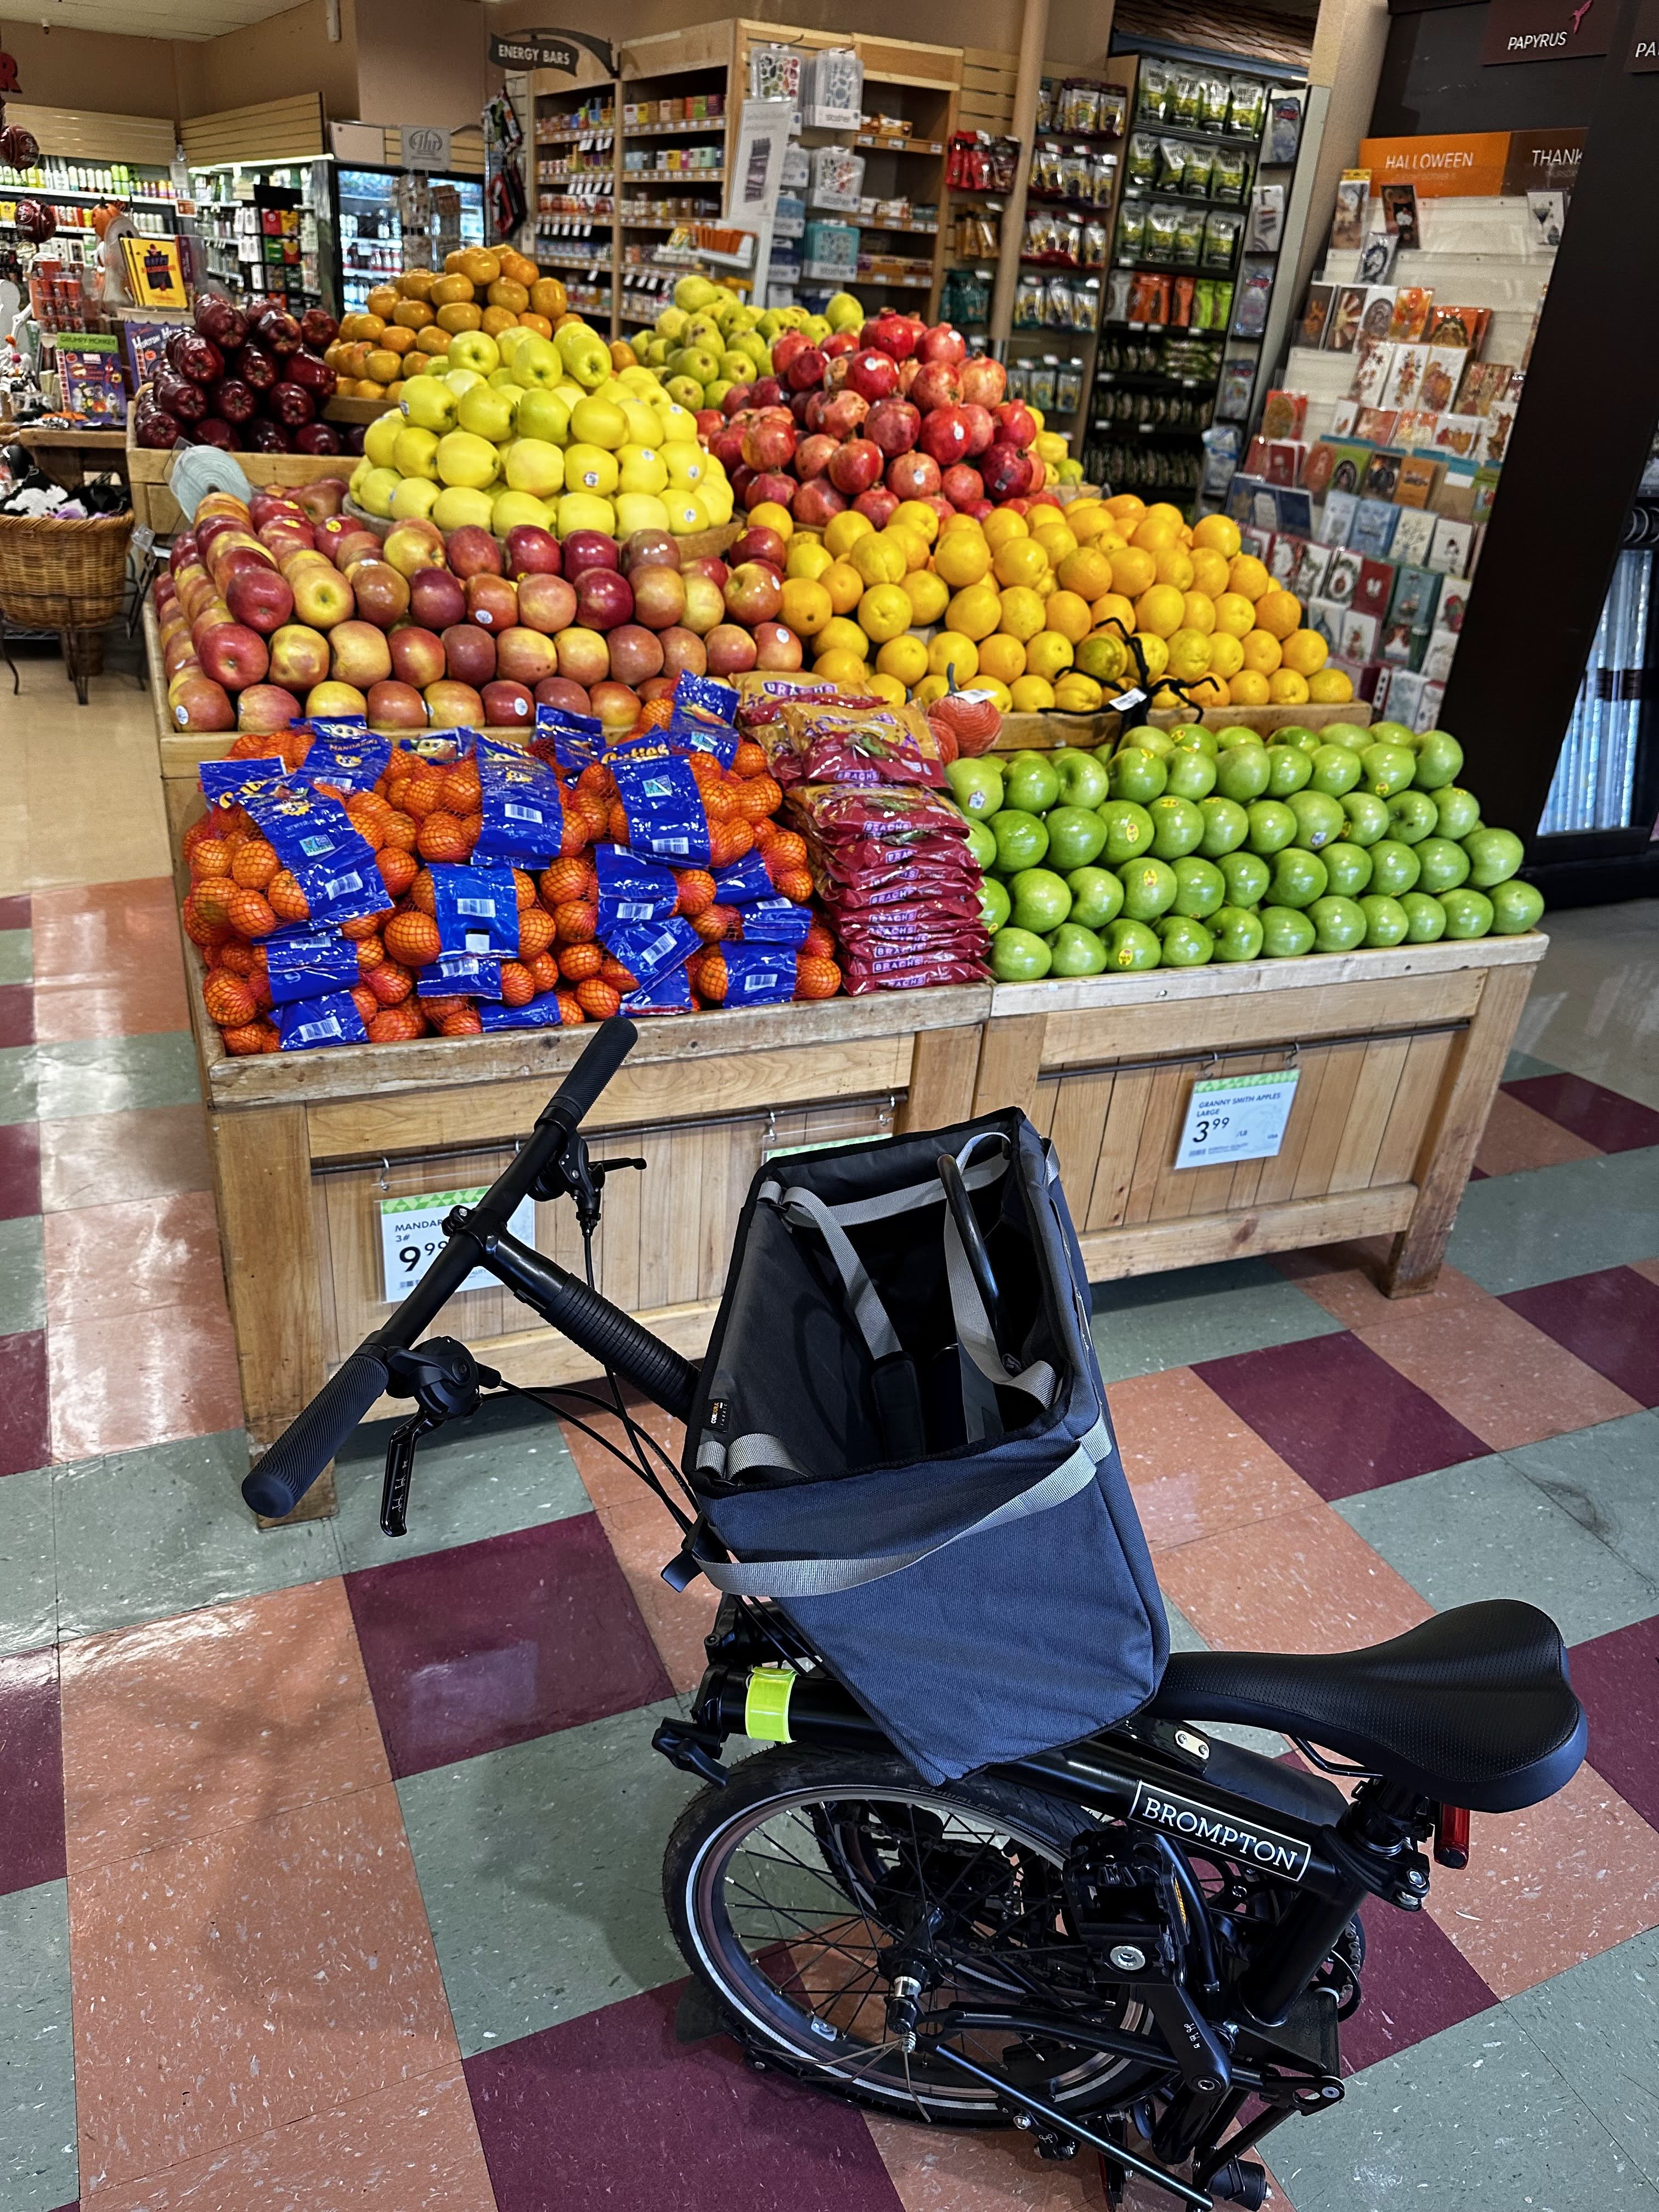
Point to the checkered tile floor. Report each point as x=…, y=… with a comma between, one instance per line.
x=329, y=1869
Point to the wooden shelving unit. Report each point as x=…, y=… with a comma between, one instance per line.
x=576, y=233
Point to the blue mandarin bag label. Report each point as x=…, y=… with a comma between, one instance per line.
x=309, y=964
x=541, y=1012
x=522, y=815
x=578, y=740
x=651, y=950
x=669, y=995
x=747, y=881
x=696, y=734
x=460, y=975
x=308, y=830
x=666, y=820
x=226, y=782
x=758, y=974
x=632, y=890
x=308, y=1023
x=477, y=910
x=349, y=763
x=775, y=921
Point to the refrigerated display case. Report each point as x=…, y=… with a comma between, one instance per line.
x=370, y=207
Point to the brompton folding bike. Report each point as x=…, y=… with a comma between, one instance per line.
x=995, y=1868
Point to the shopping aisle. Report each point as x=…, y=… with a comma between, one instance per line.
x=329, y=1876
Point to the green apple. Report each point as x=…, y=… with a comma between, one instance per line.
x=1338, y=924
x=1226, y=825
x=427, y=402
x=736, y=368
x=1412, y=816
x=1425, y=918
x=1041, y=899
x=844, y=311
x=1236, y=932
x=1077, y=951
x=1439, y=759
x=465, y=459
x=1149, y=889
x=1272, y=825
x=1246, y=875
x=1494, y=856
x=1368, y=816
x=1287, y=933
x=1184, y=942
x=981, y=844
x=1386, y=921
x=1515, y=907
x=1394, y=868
x=1076, y=835
x=1128, y=831
x=1031, y=784
x=1347, y=868
x=1288, y=769
x=1456, y=811
x=1130, y=946
x=1242, y=773
x=1319, y=819
x=1202, y=888
x=1387, y=768
x=1138, y=774
x=535, y=465
x=1191, y=774
x=1236, y=734
x=414, y=451
x=671, y=322
x=1177, y=827
x=1335, y=769
x=1304, y=741
x=1018, y=956
x=1194, y=738
x=1356, y=737
x=994, y=903
x=1442, y=864
x=694, y=294
x=1146, y=738
x=1082, y=780
x=1097, y=897
x=976, y=785
x=1469, y=912
x=1022, y=840
x=1299, y=878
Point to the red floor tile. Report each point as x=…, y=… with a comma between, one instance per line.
x=1617, y=1678
x=15, y=911
x=16, y=1013
x=30, y=1773
x=143, y=1378
x=1416, y=1983
x=92, y=932
x=1610, y=1321
x=495, y=1643
x=25, y=1391
x=1517, y=1138
x=1302, y=1582
x=130, y=1257
x=20, y=1169
x=1603, y=1118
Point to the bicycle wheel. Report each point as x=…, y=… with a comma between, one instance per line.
x=802, y=1889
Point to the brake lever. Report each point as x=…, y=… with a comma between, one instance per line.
x=399, y=1473
x=445, y=1380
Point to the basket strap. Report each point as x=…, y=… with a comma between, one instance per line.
x=799, y=1578
x=974, y=1330
x=798, y=1205
x=855, y=1212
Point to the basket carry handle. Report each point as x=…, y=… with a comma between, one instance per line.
x=798, y=1578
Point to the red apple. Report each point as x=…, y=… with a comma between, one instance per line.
x=260, y=599
x=754, y=593
x=729, y=651
x=893, y=425
x=873, y=375
x=912, y=475
x=683, y=653
x=584, y=656
x=1016, y=423
x=635, y=654
x=508, y=706
x=546, y=603
x=659, y=596
x=984, y=381
x=656, y=687
x=355, y=543
x=650, y=548
x=266, y=707
x=945, y=435
x=358, y=654
x=816, y=501
x=943, y=343
x=473, y=552
x=180, y=652
x=524, y=656
x=532, y=552
x=776, y=645
x=453, y=706
x=812, y=456
x=323, y=499
x=705, y=605
x=560, y=691
x=236, y=656
x=963, y=485
x=590, y=549
x=299, y=656
x=414, y=544
x=617, y=705
x=856, y=466
x=468, y=653
x=878, y=504
x=394, y=704
x=418, y=656
x=757, y=543
x=382, y=593
x=436, y=599
x=198, y=703
x=605, y=599
x=707, y=564
x=491, y=601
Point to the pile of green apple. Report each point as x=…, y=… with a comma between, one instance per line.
x=707, y=342
x=1179, y=846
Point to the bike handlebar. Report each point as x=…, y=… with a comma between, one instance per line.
x=310, y=1442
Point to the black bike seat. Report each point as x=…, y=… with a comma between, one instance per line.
x=1472, y=1708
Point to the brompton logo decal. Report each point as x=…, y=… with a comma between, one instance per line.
x=1197, y=1823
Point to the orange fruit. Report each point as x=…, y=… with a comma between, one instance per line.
x=1278, y=612
x=1134, y=571
x=1305, y=652
x=504, y=293
x=1330, y=687
x=1286, y=689
x=1262, y=652
x=1216, y=533
x=413, y=314
x=1248, y=577
x=1248, y=689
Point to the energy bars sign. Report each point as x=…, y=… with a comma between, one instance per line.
x=572, y=54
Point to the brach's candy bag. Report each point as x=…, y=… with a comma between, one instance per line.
x=902, y=887
x=309, y=964
x=333, y=1019
x=813, y=742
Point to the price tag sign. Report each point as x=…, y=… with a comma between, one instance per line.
x=1235, y=1117
x=411, y=1235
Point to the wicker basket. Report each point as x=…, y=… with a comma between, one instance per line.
x=62, y=574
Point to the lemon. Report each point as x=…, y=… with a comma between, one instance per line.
x=1159, y=610
x=844, y=531
x=1197, y=611
x=1001, y=525
x=1216, y=533
x=911, y=542
x=1247, y=576
x=929, y=689
x=1114, y=607
x=1209, y=569
x=1001, y=697
x=772, y=514
x=916, y=514
x=962, y=556
x=1078, y=695
x=1235, y=614
x=841, y=668
x=1305, y=652
x=1175, y=567
x=807, y=607
x=927, y=595
x=1189, y=655
x=880, y=558
x=975, y=611
x=1069, y=613
x=1087, y=572
x=1031, y=694
x=1048, y=654
x=809, y=559
x=905, y=658
x=1329, y=687
x=840, y=636
x=844, y=585
x=1021, y=561
x=1154, y=651
x=954, y=655
x=1002, y=656
x=1226, y=654
x=883, y=686
x=1133, y=572
x=1278, y=612
x=884, y=612
x=1248, y=689
x=1286, y=689
x=1262, y=652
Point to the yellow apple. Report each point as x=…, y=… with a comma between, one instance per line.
x=638, y=510
x=380, y=439
x=413, y=450
x=458, y=506
x=583, y=510
x=642, y=469
x=534, y=465
x=465, y=460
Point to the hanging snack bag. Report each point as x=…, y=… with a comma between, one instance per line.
x=1221, y=239
x=1140, y=163
x=1247, y=107
x=1189, y=237
x=1171, y=164
x=304, y=1024
x=1184, y=103
x=1152, y=90
x=1198, y=169
x=1229, y=172
x=1215, y=94
x=1163, y=231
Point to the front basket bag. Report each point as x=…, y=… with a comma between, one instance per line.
x=901, y=1437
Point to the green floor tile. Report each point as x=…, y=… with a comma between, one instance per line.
x=142, y=1536
x=28, y=1573
x=1598, y=2025
x=541, y=1869
x=1607, y=1478
x=22, y=1275
x=1546, y=1224
x=109, y=1075
x=504, y=1470
x=1519, y=1065
x=1475, y=2119
x=16, y=956
x=1483, y=1530
x=38, y=2169
x=19, y=1083
x=1154, y=1322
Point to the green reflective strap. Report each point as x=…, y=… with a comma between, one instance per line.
x=766, y=1704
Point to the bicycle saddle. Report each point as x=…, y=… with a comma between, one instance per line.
x=1472, y=1708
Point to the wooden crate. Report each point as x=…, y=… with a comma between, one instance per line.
x=149, y=471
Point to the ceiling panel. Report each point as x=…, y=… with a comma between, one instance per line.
x=160, y=19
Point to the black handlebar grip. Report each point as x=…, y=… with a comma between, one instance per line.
x=617, y=1342
x=306, y=1445
x=579, y=1093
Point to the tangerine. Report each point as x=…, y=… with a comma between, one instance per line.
x=441, y=838
x=543, y=973
x=412, y=937
x=816, y=977
x=466, y=1023
x=536, y=931
x=571, y=1016
x=250, y=913
x=390, y=983
x=578, y=962
x=597, y=998
x=287, y=902
x=518, y=984
x=250, y=1039
x=575, y=922
x=565, y=879
x=398, y=869
x=396, y=1025
x=228, y=1000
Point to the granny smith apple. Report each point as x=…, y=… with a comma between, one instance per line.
x=1022, y=840
x=1494, y=856
x=1194, y=738
x=1338, y=924
x=1387, y=768
x=1226, y=825
x=1076, y=835
x=1138, y=774
x=1202, y=888
x=1149, y=889
x=1335, y=769
x=1030, y=784
x=1425, y=918
x=1237, y=733
x=1272, y=825
x=1386, y=921
x=1242, y=773
x=1287, y=933
x=1148, y=738
x=1185, y=943
x=1084, y=781
x=1288, y=769
x=995, y=903
x=1394, y=868
x=981, y=844
x=1439, y=759
x=1292, y=734
x=1042, y=901
x=1458, y=811
x=1348, y=868
x=1177, y=827
x=1237, y=933
x=975, y=785
x=1097, y=897
x=1515, y=907
x=1191, y=774
x=1368, y=816
x=1356, y=737
x=1412, y=816
x=1469, y=912
x=1442, y=864
x=1319, y=820
x=1131, y=945
x=1128, y=831
x=1077, y=951
x=1299, y=878
x=1246, y=875
x=1019, y=956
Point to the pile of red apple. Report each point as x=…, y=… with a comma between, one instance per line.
x=286, y=607
x=900, y=411
x=254, y=382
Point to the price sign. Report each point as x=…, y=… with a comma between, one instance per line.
x=1235, y=1117
x=411, y=1234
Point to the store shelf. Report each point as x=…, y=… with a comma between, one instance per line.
x=594, y=130
x=1190, y=130
x=906, y=283
x=903, y=230
x=1061, y=266
x=934, y=146
x=696, y=178
x=712, y=126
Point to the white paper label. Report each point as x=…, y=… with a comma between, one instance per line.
x=1235, y=1117
x=412, y=1235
